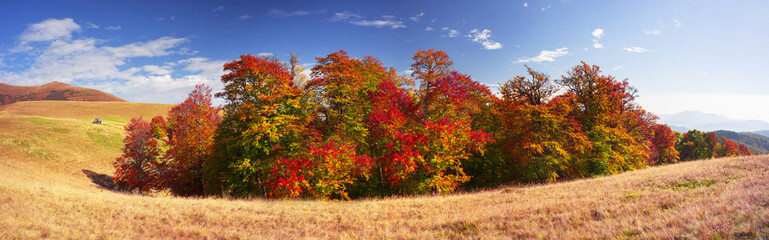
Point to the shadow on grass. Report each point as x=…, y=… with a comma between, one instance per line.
x=103, y=180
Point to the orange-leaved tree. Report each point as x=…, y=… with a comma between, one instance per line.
x=191, y=127
x=605, y=109
x=537, y=139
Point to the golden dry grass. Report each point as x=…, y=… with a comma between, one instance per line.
x=44, y=193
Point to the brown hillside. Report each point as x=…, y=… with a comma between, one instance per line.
x=56, y=91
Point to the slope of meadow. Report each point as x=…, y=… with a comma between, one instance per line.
x=54, y=183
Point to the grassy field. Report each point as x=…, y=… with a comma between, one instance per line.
x=55, y=167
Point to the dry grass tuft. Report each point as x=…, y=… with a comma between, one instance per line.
x=52, y=186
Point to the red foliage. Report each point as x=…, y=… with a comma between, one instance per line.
x=324, y=173
x=744, y=151
x=729, y=148
x=137, y=168
x=664, y=143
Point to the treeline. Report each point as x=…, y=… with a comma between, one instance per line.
x=700, y=145
x=358, y=129
x=755, y=142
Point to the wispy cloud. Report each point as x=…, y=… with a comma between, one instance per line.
x=218, y=9
x=344, y=16
x=653, y=32
x=677, y=23
x=546, y=56
x=429, y=29
x=244, y=17
x=636, y=49
x=417, y=17
x=352, y=18
x=615, y=68
x=91, y=25
x=391, y=23
x=525, y=4
x=451, y=32
x=484, y=37
x=277, y=13
x=546, y=8
x=265, y=54
x=113, y=28
x=596, y=44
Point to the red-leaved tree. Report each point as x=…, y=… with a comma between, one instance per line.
x=138, y=167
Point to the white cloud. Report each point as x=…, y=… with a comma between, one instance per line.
x=525, y=4
x=417, y=17
x=429, y=29
x=344, y=16
x=546, y=56
x=598, y=33
x=636, y=49
x=265, y=54
x=394, y=24
x=653, y=32
x=113, y=28
x=244, y=17
x=484, y=37
x=618, y=67
x=677, y=23
x=546, y=8
x=218, y=9
x=47, y=30
x=90, y=62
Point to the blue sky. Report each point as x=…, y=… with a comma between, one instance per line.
x=709, y=56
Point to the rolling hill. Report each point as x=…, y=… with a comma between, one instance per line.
x=56, y=91
x=55, y=169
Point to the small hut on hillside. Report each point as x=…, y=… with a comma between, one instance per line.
x=97, y=121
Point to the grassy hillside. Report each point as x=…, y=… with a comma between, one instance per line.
x=54, y=164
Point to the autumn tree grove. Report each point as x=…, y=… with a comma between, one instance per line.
x=356, y=128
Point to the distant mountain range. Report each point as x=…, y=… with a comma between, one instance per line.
x=688, y=120
x=52, y=91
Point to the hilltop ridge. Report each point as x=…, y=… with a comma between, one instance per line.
x=56, y=91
